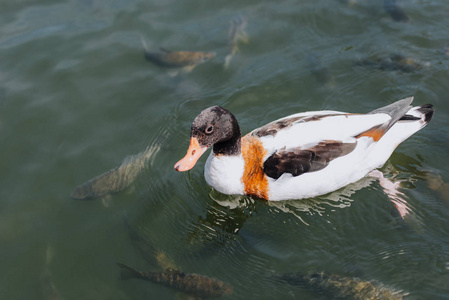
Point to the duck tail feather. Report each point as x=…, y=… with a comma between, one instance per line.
x=396, y=110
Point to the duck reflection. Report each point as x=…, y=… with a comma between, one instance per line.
x=410, y=170
x=227, y=214
x=223, y=220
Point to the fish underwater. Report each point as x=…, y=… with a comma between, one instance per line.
x=319, y=71
x=185, y=61
x=393, y=62
x=446, y=49
x=149, y=252
x=436, y=183
x=236, y=34
x=115, y=180
x=49, y=290
x=396, y=12
x=340, y=287
x=199, y=286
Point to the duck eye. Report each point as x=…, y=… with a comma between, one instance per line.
x=209, y=129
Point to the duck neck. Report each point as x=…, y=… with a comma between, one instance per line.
x=230, y=147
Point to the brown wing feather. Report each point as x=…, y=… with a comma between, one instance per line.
x=299, y=161
x=275, y=126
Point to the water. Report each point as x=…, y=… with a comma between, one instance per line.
x=77, y=98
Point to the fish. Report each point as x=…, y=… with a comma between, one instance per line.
x=149, y=252
x=396, y=12
x=117, y=179
x=236, y=34
x=412, y=171
x=393, y=62
x=49, y=290
x=436, y=183
x=199, y=286
x=183, y=60
x=178, y=59
x=341, y=287
x=319, y=71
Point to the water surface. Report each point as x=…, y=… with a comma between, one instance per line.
x=77, y=97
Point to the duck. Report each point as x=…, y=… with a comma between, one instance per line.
x=303, y=155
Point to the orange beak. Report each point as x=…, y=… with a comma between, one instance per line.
x=193, y=154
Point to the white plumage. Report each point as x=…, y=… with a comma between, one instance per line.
x=371, y=138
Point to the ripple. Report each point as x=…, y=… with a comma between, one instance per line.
x=30, y=25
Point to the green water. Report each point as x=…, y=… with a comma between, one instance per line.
x=77, y=97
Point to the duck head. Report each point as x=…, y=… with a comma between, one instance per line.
x=214, y=127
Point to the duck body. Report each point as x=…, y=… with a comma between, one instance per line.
x=300, y=156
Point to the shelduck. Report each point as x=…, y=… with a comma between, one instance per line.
x=300, y=156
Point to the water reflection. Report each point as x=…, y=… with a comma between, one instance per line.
x=226, y=215
x=298, y=208
x=216, y=227
x=410, y=170
x=224, y=219
x=393, y=180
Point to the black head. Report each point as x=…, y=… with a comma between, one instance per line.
x=214, y=127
